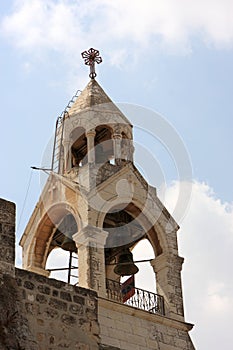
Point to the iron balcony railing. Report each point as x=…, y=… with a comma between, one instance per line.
x=135, y=297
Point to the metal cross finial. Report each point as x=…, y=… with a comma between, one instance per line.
x=90, y=57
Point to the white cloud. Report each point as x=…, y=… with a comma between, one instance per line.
x=54, y=33
x=121, y=28
x=206, y=242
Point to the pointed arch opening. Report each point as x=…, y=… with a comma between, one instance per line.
x=130, y=247
x=55, y=229
x=128, y=235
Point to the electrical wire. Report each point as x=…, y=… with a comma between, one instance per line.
x=25, y=200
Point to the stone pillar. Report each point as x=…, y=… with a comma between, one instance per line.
x=67, y=155
x=131, y=151
x=168, y=281
x=7, y=237
x=90, y=242
x=91, y=145
x=117, y=146
x=127, y=150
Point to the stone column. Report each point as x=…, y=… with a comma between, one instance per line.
x=127, y=150
x=7, y=237
x=67, y=155
x=117, y=147
x=168, y=281
x=90, y=242
x=91, y=145
x=131, y=151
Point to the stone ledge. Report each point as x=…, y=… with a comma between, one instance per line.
x=128, y=310
x=62, y=286
x=108, y=347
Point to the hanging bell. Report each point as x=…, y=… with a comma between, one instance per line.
x=68, y=244
x=125, y=265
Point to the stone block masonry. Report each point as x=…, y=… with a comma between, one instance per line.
x=60, y=315
x=38, y=313
x=124, y=327
x=7, y=236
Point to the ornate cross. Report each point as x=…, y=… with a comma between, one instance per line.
x=90, y=57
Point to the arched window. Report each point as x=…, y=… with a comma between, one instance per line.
x=79, y=147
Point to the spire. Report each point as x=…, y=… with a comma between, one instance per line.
x=94, y=96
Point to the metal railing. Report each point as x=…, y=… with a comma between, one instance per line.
x=72, y=270
x=138, y=298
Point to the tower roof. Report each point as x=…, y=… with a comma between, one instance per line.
x=94, y=96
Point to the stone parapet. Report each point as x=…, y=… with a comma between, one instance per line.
x=126, y=328
x=7, y=237
x=59, y=315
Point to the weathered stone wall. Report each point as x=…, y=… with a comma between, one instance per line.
x=41, y=313
x=38, y=313
x=60, y=315
x=123, y=327
x=7, y=236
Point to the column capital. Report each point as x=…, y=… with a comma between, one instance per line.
x=66, y=141
x=166, y=260
x=90, y=133
x=116, y=136
x=90, y=236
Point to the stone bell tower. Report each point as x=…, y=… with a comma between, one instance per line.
x=97, y=205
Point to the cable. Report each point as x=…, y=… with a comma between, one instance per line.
x=25, y=199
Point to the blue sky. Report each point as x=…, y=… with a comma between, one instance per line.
x=172, y=57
